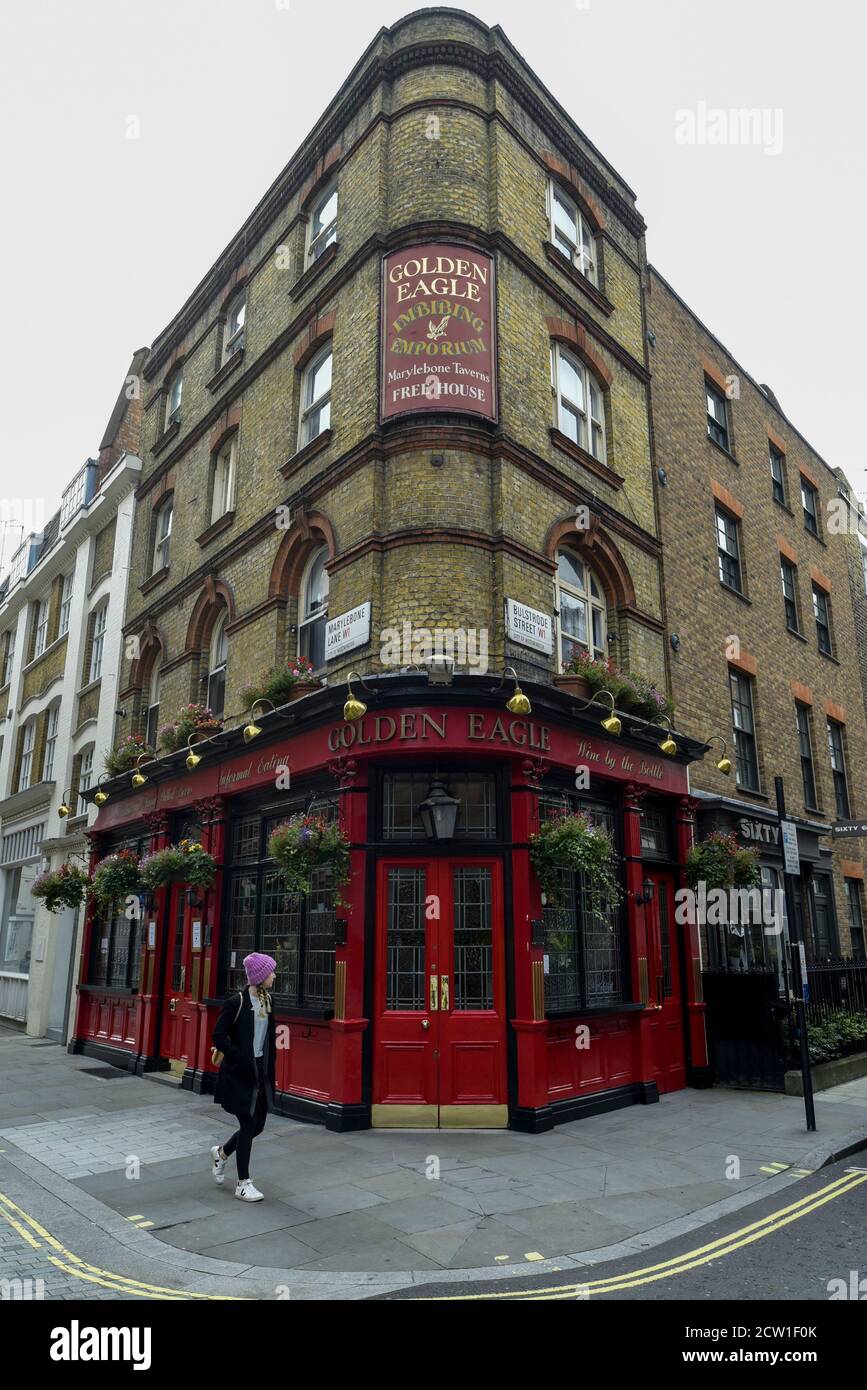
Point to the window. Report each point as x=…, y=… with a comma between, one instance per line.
x=778, y=475
x=174, y=392
x=28, y=741
x=65, y=604
x=717, y=415
x=571, y=233
x=8, y=655
x=864, y=564
x=50, y=742
x=655, y=838
x=823, y=935
x=218, y=657
x=838, y=768
x=744, y=732
x=224, y=479
x=810, y=504
x=85, y=777
x=580, y=608
x=115, y=961
x=728, y=550
x=313, y=609
x=805, y=744
x=403, y=793
x=97, y=642
x=152, y=718
x=579, y=402
x=41, y=627
x=856, y=918
x=163, y=536
x=16, y=928
x=789, y=577
x=323, y=224
x=233, y=335
x=316, y=398
x=822, y=614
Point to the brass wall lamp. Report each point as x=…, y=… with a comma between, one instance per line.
x=192, y=759
x=253, y=730
x=64, y=809
x=668, y=745
x=354, y=708
x=518, y=702
x=611, y=724
x=725, y=763
x=101, y=797
x=139, y=778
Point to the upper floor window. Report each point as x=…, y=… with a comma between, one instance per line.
x=805, y=747
x=217, y=660
x=173, y=399
x=580, y=409
x=65, y=604
x=40, y=619
x=8, y=655
x=28, y=743
x=316, y=398
x=580, y=606
x=778, y=475
x=51, y=723
x=163, y=535
x=223, y=498
x=85, y=777
x=233, y=335
x=313, y=610
x=838, y=768
x=822, y=614
x=323, y=224
x=571, y=233
x=152, y=718
x=744, y=731
x=98, y=642
x=717, y=415
x=728, y=550
x=789, y=577
x=856, y=918
x=810, y=504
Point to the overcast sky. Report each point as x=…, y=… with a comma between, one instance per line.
x=104, y=236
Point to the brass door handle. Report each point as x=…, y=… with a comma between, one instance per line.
x=172, y=1003
x=425, y=1023
x=433, y=994
x=444, y=992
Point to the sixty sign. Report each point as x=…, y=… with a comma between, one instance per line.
x=849, y=827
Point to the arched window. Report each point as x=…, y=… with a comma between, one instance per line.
x=580, y=603
x=233, y=333
x=579, y=402
x=217, y=658
x=323, y=224
x=163, y=535
x=174, y=392
x=313, y=610
x=223, y=498
x=315, y=398
x=572, y=234
x=152, y=718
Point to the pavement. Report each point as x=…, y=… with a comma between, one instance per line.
x=106, y=1190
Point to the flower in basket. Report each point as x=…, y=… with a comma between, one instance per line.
x=719, y=861
x=303, y=844
x=125, y=755
x=569, y=841
x=192, y=719
x=115, y=877
x=301, y=668
x=186, y=862
x=60, y=888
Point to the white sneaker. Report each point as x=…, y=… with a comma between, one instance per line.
x=246, y=1192
x=218, y=1164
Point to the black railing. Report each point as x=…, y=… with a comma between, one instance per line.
x=836, y=986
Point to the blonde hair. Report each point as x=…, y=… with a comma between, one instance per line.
x=264, y=997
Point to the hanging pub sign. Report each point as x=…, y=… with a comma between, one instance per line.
x=528, y=627
x=438, y=331
x=347, y=631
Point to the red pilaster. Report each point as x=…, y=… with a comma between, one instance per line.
x=349, y=1022
x=640, y=927
x=696, y=1007
x=529, y=1023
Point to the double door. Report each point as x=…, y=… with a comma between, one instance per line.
x=669, y=1054
x=439, y=998
x=183, y=941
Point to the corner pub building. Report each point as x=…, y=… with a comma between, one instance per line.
x=409, y=399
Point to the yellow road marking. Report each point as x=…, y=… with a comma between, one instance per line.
x=690, y=1259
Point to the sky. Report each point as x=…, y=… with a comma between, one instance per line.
x=137, y=135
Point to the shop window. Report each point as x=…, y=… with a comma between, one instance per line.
x=403, y=794
x=16, y=928
x=717, y=415
x=805, y=745
x=323, y=224
x=583, y=949
x=752, y=944
x=579, y=603
x=174, y=392
x=315, y=398
x=728, y=550
x=297, y=929
x=233, y=333
x=856, y=918
x=822, y=614
x=744, y=732
x=778, y=475
x=218, y=657
x=580, y=411
x=810, y=505
x=655, y=837
x=789, y=579
x=838, y=769
x=571, y=233
x=115, y=958
x=823, y=931
x=163, y=536
x=313, y=610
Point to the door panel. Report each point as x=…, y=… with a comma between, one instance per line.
x=405, y=1063
x=664, y=964
x=176, y=982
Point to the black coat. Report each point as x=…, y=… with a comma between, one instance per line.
x=237, y=1079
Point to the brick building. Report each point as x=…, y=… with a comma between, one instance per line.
x=410, y=396
x=765, y=600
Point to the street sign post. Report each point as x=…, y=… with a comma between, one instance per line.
x=789, y=839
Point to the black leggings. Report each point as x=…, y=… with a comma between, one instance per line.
x=241, y=1142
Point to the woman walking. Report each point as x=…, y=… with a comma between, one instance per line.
x=245, y=1035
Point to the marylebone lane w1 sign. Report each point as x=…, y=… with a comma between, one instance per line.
x=438, y=331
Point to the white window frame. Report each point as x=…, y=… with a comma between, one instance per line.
x=97, y=646
x=235, y=328
x=308, y=615
x=223, y=496
x=8, y=656
x=28, y=745
x=163, y=536
x=588, y=413
x=580, y=246
x=311, y=410
x=40, y=619
x=321, y=234
x=52, y=723
x=218, y=661
x=85, y=772
x=153, y=707
x=174, y=395
x=593, y=603
x=65, y=603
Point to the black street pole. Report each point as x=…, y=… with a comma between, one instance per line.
x=798, y=975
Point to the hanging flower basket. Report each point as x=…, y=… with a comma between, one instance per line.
x=192, y=719
x=115, y=877
x=186, y=862
x=303, y=844
x=570, y=841
x=59, y=888
x=124, y=756
x=634, y=694
x=719, y=861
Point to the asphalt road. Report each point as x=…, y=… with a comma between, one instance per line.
x=788, y=1247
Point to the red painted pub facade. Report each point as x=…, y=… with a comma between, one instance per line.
x=439, y=992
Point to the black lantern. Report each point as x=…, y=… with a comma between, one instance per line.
x=646, y=896
x=439, y=812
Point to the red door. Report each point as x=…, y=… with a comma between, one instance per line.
x=176, y=1032
x=665, y=987
x=439, y=1001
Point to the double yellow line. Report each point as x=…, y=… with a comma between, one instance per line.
x=691, y=1259
x=29, y=1229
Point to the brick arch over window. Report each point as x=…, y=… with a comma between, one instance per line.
x=566, y=174
x=239, y=281
x=309, y=532
x=322, y=175
x=152, y=648
x=597, y=548
x=574, y=337
x=316, y=335
x=214, y=599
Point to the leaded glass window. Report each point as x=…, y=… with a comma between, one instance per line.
x=403, y=793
